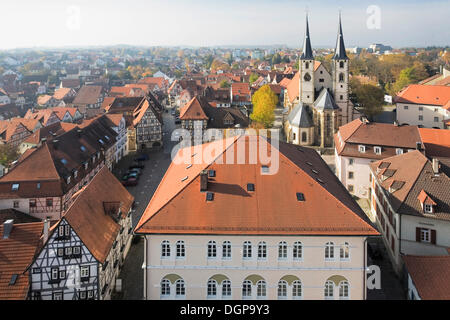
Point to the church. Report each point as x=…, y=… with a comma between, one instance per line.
x=317, y=100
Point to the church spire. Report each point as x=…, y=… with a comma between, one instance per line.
x=339, y=53
x=307, y=53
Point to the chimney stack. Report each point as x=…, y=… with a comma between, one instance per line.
x=419, y=145
x=203, y=180
x=7, y=228
x=435, y=166
x=46, y=228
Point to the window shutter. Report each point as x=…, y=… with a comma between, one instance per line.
x=433, y=236
x=418, y=234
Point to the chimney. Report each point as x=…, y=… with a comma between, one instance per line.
x=203, y=180
x=46, y=228
x=419, y=145
x=435, y=166
x=7, y=228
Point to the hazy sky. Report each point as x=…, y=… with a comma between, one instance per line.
x=31, y=23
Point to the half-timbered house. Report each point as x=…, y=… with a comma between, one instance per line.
x=83, y=252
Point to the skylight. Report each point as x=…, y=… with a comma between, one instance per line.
x=13, y=279
x=15, y=187
x=101, y=141
x=212, y=173
x=64, y=161
x=300, y=196
x=209, y=196
x=264, y=169
x=83, y=148
x=250, y=187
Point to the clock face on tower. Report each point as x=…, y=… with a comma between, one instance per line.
x=307, y=77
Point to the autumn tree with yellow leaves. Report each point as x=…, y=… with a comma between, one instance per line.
x=264, y=102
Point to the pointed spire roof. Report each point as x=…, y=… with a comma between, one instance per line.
x=307, y=53
x=325, y=101
x=339, y=52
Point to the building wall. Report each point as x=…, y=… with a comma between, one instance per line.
x=411, y=115
x=312, y=270
x=361, y=174
x=41, y=211
x=322, y=79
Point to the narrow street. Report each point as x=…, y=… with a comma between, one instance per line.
x=132, y=274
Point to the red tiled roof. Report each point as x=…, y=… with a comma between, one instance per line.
x=437, y=142
x=293, y=87
x=178, y=206
x=193, y=111
x=430, y=275
x=423, y=94
x=16, y=253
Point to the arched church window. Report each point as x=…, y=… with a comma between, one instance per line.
x=307, y=77
x=341, y=64
x=304, y=137
x=307, y=65
x=341, y=77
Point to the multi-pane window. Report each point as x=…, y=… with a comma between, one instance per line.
x=55, y=273
x=212, y=249
x=226, y=288
x=425, y=235
x=261, y=289
x=246, y=289
x=282, y=289
x=181, y=249
x=212, y=288
x=180, y=289
x=165, y=287
x=343, y=290
x=297, y=250
x=296, y=289
x=345, y=251
x=329, y=288
x=282, y=250
x=226, y=250
x=262, y=250
x=165, y=249
x=57, y=296
x=329, y=250
x=84, y=272
x=247, y=250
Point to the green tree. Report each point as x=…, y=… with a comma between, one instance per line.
x=253, y=78
x=8, y=154
x=264, y=102
x=225, y=84
x=367, y=98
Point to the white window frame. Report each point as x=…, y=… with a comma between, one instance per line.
x=84, y=271
x=247, y=250
x=282, y=288
x=296, y=249
x=165, y=288
x=180, y=288
x=211, y=289
x=428, y=208
x=246, y=289
x=329, y=251
x=329, y=290
x=226, y=288
x=282, y=250
x=377, y=150
x=296, y=287
x=261, y=289
x=398, y=151
x=226, y=250
x=362, y=148
x=425, y=235
x=212, y=250
x=180, y=249
x=344, y=252
x=344, y=290
x=165, y=249
x=262, y=250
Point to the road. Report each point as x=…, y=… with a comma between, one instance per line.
x=132, y=274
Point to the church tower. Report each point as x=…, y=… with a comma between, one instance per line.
x=340, y=76
x=306, y=71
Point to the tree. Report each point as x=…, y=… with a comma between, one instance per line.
x=264, y=102
x=225, y=84
x=253, y=78
x=368, y=99
x=8, y=154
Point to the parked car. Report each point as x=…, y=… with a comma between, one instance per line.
x=130, y=182
x=133, y=175
x=142, y=157
x=139, y=165
x=136, y=170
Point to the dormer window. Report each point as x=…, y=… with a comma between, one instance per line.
x=75, y=173
x=398, y=151
x=15, y=187
x=377, y=150
x=428, y=208
x=86, y=164
x=68, y=180
x=362, y=148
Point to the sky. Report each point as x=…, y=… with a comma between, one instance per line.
x=59, y=23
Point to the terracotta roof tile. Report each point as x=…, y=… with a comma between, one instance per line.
x=424, y=94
